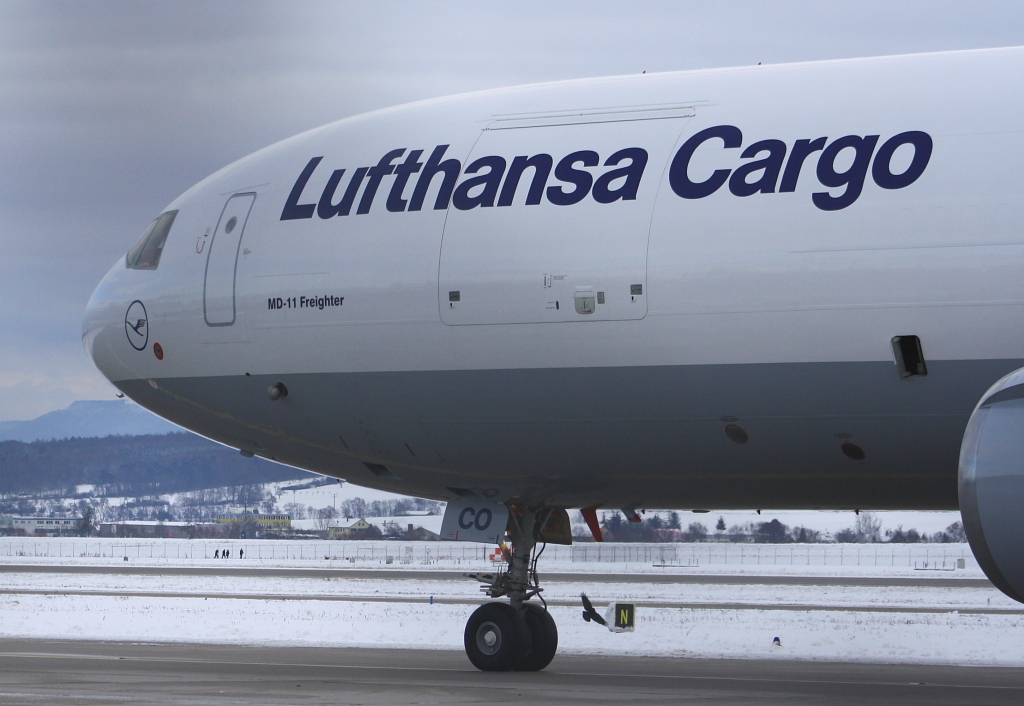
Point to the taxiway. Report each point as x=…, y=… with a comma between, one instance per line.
x=68, y=672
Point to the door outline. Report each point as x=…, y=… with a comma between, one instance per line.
x=234, y=269
x=681, y=114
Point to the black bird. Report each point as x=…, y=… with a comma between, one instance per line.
x=589, y=613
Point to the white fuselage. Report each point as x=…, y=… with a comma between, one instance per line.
x=670, y=255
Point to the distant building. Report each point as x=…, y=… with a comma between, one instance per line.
x=45, y=526
x=147, y=529
x=355, y=530
x=265, y=522
x=421, y=534
x=361, y=529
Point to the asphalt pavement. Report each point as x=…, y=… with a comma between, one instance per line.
x=143, y=674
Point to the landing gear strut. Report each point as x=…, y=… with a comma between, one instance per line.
x=517, y=635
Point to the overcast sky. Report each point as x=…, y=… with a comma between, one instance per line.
x=108, y=111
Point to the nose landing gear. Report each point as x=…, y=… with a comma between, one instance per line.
x=496, y=638
x=543, y=638
x=514, y=636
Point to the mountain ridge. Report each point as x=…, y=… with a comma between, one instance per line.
x=138, y=465
x=88, y=419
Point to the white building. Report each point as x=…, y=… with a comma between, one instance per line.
x=52, y=526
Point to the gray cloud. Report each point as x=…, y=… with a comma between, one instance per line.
x=108, y=110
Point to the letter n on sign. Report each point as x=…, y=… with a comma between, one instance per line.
x=621, y=617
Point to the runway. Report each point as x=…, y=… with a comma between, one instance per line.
x=67, y=672
x=416, y=574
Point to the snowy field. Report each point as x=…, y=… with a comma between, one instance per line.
x=418, y=589
x=884, y=623
x=941, y=637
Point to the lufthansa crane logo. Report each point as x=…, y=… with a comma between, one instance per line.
x=136, y=325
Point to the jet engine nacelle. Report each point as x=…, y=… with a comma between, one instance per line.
x=991, y=484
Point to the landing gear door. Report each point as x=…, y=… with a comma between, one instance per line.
x=474, y=522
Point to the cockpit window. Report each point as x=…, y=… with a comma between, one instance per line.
x=146, y=253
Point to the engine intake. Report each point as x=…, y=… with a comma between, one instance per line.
x=991, y=484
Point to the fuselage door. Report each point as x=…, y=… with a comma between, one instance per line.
x=555, y=226
x=222, y=261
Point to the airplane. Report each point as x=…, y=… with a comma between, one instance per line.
x=791, y=286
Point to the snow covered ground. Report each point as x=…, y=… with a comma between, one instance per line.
x=943, y=637
x=458, y=589
x=886, y=623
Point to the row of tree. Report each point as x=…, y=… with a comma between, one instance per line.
x=130, y=466
x=395, y=507
x=866, y=529
x=209, y=504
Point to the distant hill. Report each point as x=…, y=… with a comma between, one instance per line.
x=89, y=418
x=132, y=465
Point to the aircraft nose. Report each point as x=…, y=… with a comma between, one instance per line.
x=116, y=326
x=106, y=333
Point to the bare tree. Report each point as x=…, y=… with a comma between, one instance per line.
x=696, y=532
x=296, y=510
x=954, y=533
x=86, y=515
x=869, y=527
x=393, y=530
x=354, y=507
x=326, y=517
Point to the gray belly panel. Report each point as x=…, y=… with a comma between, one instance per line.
x=643, y=436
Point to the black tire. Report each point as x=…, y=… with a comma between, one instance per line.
x=496, y=637
x=543, y=639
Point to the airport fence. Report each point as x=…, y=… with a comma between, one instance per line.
x=269, y=550
x=936, y=557
x=924, y=557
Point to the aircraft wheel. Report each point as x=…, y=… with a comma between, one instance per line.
x=543, y=639
x=496, y=636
